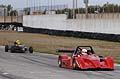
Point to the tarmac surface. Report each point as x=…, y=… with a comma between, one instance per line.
x=44, y=66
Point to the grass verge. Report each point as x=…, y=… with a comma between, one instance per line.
x=49, y=44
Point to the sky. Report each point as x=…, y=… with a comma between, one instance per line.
x=25, y=3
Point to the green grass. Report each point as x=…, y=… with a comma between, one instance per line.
x=49, y=44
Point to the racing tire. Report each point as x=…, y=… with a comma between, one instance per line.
x=12, y=51
x=30, y=49
x=6, y=48
x=60, y=63
x=112, y=69
x=74, y=65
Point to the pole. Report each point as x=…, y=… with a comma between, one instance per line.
x=4, y=14
x=48, y=6
x=86, y=8
x=40, y=6
x=54, y=8
x=77, y=7
x=76, y=4
x=51, y=6
x=73, y=9
x=34, y=5
x=86, y=11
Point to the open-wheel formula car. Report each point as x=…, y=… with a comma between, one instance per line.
x=84, y=57
x=18, y=48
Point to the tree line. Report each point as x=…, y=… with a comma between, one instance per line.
x=92, y=9
x=9, y=11
x=106, y=8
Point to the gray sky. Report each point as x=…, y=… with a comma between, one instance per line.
x=24, y=3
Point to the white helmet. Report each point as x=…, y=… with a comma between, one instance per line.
x=84, y=50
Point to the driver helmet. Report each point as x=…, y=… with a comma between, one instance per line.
x=18, y=42
x=84, y=50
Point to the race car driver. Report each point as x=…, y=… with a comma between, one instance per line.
x=84, y=52
x=17, y=42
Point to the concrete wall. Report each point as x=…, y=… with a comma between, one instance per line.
x=9, y=19
x=59, y=22
x=45, y=21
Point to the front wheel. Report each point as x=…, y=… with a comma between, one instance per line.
x=60, y=63
x=31, y=49
x=6, y=48
x=74, y=65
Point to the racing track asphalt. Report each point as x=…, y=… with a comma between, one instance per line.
x=44, y=66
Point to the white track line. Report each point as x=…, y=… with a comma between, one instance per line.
x=117, y=64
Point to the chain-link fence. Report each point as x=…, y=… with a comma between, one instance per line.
x=96, y=11
x=72, y=8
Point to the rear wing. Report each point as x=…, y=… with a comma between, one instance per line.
x=66, y=51
x=74, y=51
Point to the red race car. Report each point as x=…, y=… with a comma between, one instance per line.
x=84, y=57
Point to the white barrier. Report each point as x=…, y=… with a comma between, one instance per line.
x=59, y=22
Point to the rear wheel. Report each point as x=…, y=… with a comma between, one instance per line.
x=31, y=49
x=6, y=48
